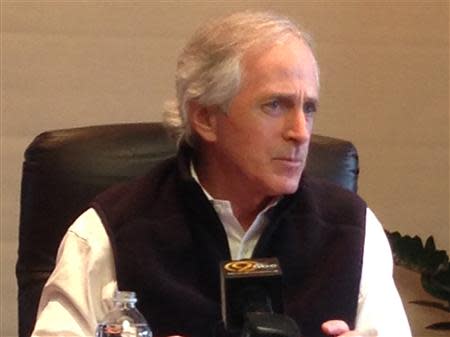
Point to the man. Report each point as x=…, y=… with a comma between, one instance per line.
x=247, y=91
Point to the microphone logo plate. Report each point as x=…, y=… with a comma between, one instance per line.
x=262, y=266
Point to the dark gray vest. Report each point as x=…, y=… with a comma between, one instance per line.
x=168, y=242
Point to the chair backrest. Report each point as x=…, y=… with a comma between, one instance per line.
x=64, y=169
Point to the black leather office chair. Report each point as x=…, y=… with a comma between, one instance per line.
x=64, y=169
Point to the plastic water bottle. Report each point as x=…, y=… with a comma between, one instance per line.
x=124, y=320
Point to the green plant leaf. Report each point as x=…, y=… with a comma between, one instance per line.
x=437, y=285
x=439, y=326
x=431, y=263
x=431, y=304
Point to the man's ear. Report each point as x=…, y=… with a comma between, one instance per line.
x=203, y=120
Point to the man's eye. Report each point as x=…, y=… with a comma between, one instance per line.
x=309, y=108
x=272, y=108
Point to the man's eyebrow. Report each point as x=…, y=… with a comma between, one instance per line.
x=289, y=95
x=314, y=100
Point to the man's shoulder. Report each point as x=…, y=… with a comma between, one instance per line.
x=139, y=194
x=331, y=201
x=325, y=189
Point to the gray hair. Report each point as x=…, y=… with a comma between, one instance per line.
x=209, y=67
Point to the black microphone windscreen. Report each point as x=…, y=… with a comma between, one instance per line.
x=249, y=286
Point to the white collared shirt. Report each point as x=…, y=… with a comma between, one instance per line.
x=241, y=242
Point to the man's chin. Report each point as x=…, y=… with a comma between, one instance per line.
x=286, y=187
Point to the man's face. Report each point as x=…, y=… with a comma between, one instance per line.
x=262, y=142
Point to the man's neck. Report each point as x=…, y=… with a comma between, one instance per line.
x=246, y=203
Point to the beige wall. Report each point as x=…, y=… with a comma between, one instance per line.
x=385, y=80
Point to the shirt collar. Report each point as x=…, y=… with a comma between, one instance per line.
x=220, y=204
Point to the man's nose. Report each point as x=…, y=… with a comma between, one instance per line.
x=297, y=128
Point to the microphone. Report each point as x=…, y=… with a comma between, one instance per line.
x=251, y=299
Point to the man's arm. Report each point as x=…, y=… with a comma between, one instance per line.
x=76, y=295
